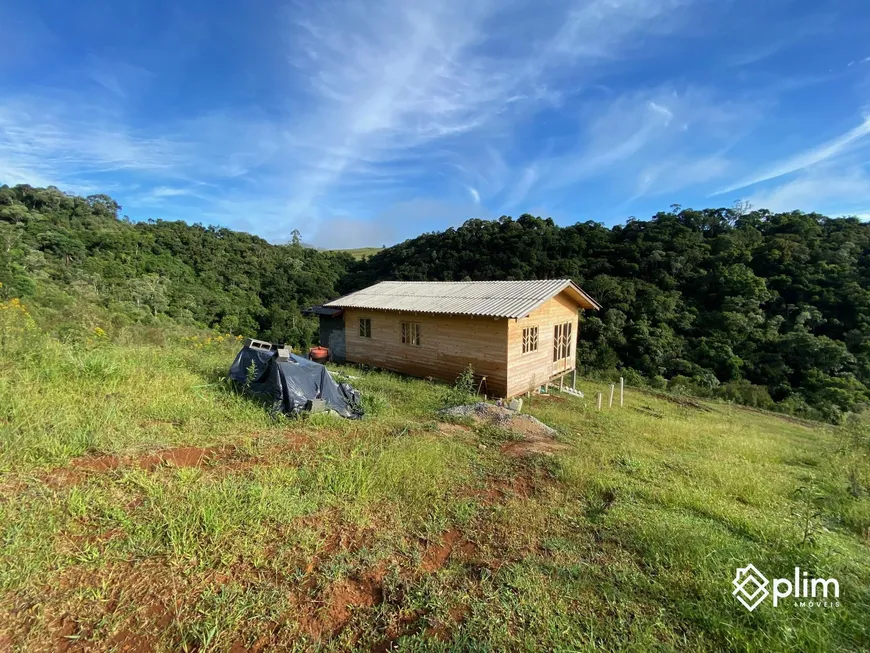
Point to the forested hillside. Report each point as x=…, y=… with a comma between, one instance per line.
x=71, y=254
x=772, y=310
x=717, y=302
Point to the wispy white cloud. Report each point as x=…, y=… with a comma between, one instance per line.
x=65, y=141
x=38, y=137
x=660, y=140
x=672, y=173
x=385, y=83
x=167, y=191
x=805, y=159
x=832, y=189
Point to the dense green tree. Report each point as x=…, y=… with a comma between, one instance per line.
x=78, y=248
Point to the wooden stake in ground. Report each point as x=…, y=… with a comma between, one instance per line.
x=621, y=390
x=561, y=383
x=599, y=401
x=610, y=405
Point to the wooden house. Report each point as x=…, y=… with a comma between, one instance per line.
x=516, y=334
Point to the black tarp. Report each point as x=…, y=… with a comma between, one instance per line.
x=289, y=386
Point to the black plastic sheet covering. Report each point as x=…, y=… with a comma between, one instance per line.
x=289, y=386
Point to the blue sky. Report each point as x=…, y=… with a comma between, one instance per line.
x=365, y=123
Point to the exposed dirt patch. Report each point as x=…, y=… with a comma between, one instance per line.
x=452, y=542
x=346, y=595
x=448, y=428
x=223, y=459
x=136, y=607
x=130, y=642
x=549, y=399
x=119, y=607
x=76, y=542
x=96, y=464
x=261, y=644
x=487, y=495
x=442, y=628
x=339, y=601
x=420, y=621
x=520, y=485
x=332, y=610
x=81, y=468
x=66, y=632
x=498, y=490
x=530, y=447
x=181, y=457
x=335, y=535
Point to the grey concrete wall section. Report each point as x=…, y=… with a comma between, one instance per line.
x=332, y=337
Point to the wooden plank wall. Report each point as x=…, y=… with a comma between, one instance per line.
x=527, y=371
x=448, y=343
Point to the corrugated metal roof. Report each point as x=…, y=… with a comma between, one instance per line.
x=511, y=299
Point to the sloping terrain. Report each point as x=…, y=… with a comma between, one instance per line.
x=145, y=506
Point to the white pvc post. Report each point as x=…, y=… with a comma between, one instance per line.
x=621, y=390
x=599, y=401
x=612, y=386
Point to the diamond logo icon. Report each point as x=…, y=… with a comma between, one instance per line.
x=750, y=586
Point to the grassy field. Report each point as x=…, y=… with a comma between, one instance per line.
x=145, y=506
x=361, y=252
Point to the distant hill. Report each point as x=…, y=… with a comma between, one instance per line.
x=359, y=253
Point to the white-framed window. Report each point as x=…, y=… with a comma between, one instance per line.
x=562, y=341
x=530, y=339
x=411, y=333
x=365, y=327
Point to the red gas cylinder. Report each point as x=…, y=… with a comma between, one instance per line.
x=318, y=354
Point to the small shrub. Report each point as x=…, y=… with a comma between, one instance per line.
x=744, y=392
x=633, y=377
x=808, y=518
x=250, y=374
x=463, y=389
x=681, y=385
x=17, y=328
x=796, y=405
x=705, y=381
x=658, y=382
x=374, y=403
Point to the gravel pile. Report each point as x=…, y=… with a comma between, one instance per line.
x=505, y=418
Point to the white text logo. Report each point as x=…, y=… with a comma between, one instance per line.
x=750, y=588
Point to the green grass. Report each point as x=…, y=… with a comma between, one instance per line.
x=328, y=534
